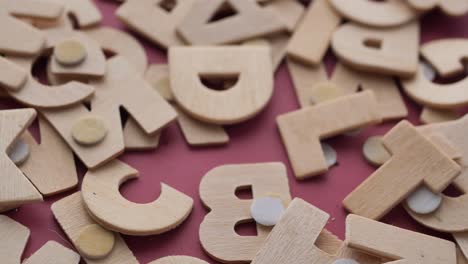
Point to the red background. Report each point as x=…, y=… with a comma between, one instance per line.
x=257, y=140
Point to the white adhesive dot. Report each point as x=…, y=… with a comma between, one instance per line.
x=330, y=154
x=19, y=152
x=423, y=201
x=345, y=261
x=428, y=71
x=267, y=210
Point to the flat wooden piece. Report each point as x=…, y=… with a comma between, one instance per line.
x=217, y=191
x=53, y=253
x=35, y=94
x=312, y=38
x=93, y=65
x=136, y=139
x=149, y=19
x=277, y=43
x=390, y=102
x=461, y=238
x=290, y=12
x=250, y=21
x=178, y=260
x=115, y=90
x=432, y=115
x=292, y=240
x=374, y=13
x=249, y=95
x=445, y=56
x=51, y=166
x=197, y=133
x=15, y=188
x=121, y=43
x=450, y=216
x=12, y=76
x=15, y=236
x=397, y=178
x=390, y=51
x=449, y=7
x=84, y=11
x=301, y=133
x=23, y=38
x=394, y=243
x=107, y=206
x=70, y=212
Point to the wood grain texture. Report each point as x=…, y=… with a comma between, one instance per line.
x=149, y=19
x=23, y=38
x=433, y=115
x=397, y=178
x=70, y=212
x=115, y=90
x=84, y=11
x=395, y=243
x=396, y=51
x=53, y=253
x=136, y=139
x=290, y=12
x=302, y=130
x=277, y=43
x=120, y=43
x=51, y=165
x=378, y=14
x=250, y=94
x=444, y=55
x=15, y=236
x=35, y=94
x=390, y=102
x=449, y=7
x=199, y=134
x=250, y=21
x=217, y=192
x=292, y=239
x=196, y=133
x=100, y=190
x=15, y=188
x=312, y=38
x=12, y=76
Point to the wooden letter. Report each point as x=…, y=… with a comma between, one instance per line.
x=389, y=100
x=312, y=38
x=116, y=89
x=251, y=66
x=378, y=14
x=394, y=243
x=397, y=178
x=302, y=130
x=250, y=21
x=392, y=51
x=150, y=19
x=217, y=191
x=15, y=188
x=104, y=202
x=445, y=55
x=292, y=239
x=71, y=214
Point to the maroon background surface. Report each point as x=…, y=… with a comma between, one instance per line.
x=182, y=167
